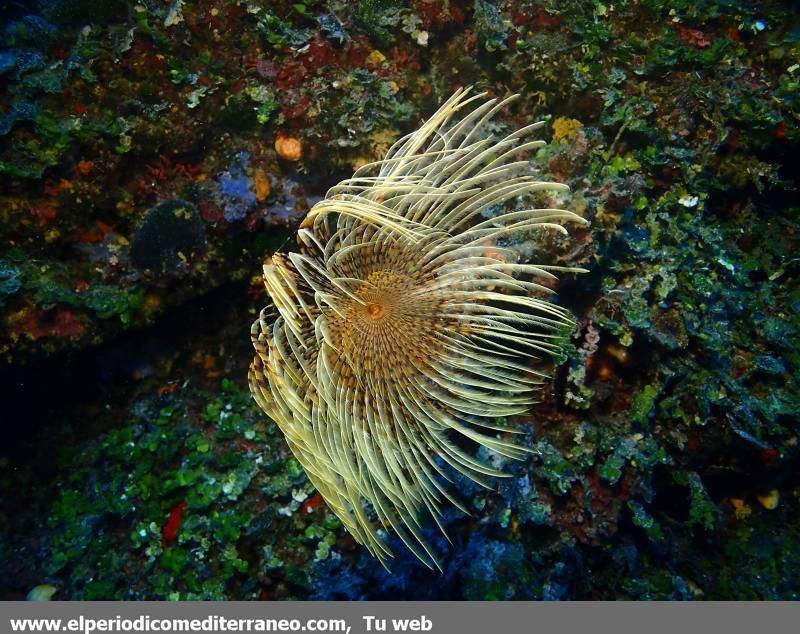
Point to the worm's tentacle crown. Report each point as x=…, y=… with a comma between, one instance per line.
x=404, y=323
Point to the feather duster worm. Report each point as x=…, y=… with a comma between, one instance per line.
x=404, y=323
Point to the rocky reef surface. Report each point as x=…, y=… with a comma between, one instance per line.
x=151, y=153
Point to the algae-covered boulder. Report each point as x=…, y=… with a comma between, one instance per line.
x=171, y=236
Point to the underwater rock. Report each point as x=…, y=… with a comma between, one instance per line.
x=674, y=127
x=43, y=592
x=172, y=232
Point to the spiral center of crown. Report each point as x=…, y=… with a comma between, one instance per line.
x=381, y=296
x=375, y=310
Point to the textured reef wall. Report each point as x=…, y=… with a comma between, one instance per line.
x=151, y=153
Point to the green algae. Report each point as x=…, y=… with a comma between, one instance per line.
x=149, y=466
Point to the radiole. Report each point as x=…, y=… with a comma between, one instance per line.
x=405, y=320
